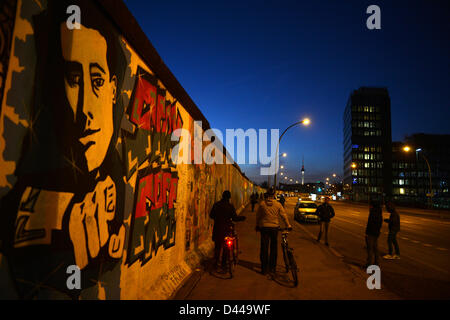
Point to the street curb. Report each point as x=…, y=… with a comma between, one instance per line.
x=187, y=286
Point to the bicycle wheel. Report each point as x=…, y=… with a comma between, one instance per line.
x=293, y=267
x=285, y=258
x=230, y=261
x=236, y=251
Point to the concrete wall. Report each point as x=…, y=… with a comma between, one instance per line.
x=86, y=172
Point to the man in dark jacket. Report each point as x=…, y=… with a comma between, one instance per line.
x=223, y=213
x=325, y=212
x=394, y=228
x=373, y=227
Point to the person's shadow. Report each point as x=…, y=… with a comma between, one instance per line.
x=283, y=278
x=280, y=277
x=256, y=267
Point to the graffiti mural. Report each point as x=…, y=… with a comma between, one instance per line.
x=67, y=202
x=7, y=14
x=86, y=174
x=149, y=150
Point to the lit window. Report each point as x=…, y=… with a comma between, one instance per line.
x=402, y=191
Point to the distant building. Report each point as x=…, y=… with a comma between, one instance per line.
x=411, y=182
x=367, y=144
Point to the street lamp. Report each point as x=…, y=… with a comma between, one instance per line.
x=305, y=122
x=430, y=195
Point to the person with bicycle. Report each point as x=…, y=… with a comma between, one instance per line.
x=223, y=213
x=267, y=222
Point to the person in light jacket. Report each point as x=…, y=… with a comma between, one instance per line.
x=267, y=222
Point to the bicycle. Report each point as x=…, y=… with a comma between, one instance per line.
x=288, y=256
x=230, y=250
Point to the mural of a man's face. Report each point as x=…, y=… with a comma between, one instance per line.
x=90, y=90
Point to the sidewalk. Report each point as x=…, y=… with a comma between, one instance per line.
x=322, y=275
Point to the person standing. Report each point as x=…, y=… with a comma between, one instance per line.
x=267, y=222
x=325, y=212
x=254, y=200
x=394, y=228
x=373, y=227
x=223, y=213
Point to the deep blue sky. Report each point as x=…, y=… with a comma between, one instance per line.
x=265, y=64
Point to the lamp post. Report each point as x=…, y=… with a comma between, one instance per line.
x=284, y=155
x=305, y=122
x=430, y=195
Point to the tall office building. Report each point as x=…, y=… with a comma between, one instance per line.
x=368, y=144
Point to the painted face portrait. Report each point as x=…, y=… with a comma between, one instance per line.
x=90, y=90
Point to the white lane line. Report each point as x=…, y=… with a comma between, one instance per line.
x=347, y=221
x=442, y=249
x=337, y=254
x=427, y=245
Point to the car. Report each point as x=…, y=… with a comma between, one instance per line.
x=305, y=211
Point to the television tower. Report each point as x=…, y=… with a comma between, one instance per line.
x=303, y=170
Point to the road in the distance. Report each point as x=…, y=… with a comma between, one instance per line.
x=423, y=272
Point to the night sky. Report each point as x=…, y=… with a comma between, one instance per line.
x=268, y=64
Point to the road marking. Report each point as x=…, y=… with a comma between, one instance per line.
x=352, y=222
x=415, y=241
x=442, y=249
x=337, y=254
x=427, y=245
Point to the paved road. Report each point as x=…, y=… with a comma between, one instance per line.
x=424, y=269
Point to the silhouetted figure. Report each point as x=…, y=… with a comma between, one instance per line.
x=282, y=200
x=394, y=228
x=374, y=223
x=267, y=222
x=325, y=212
x=223, y=213
x=254, y=200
